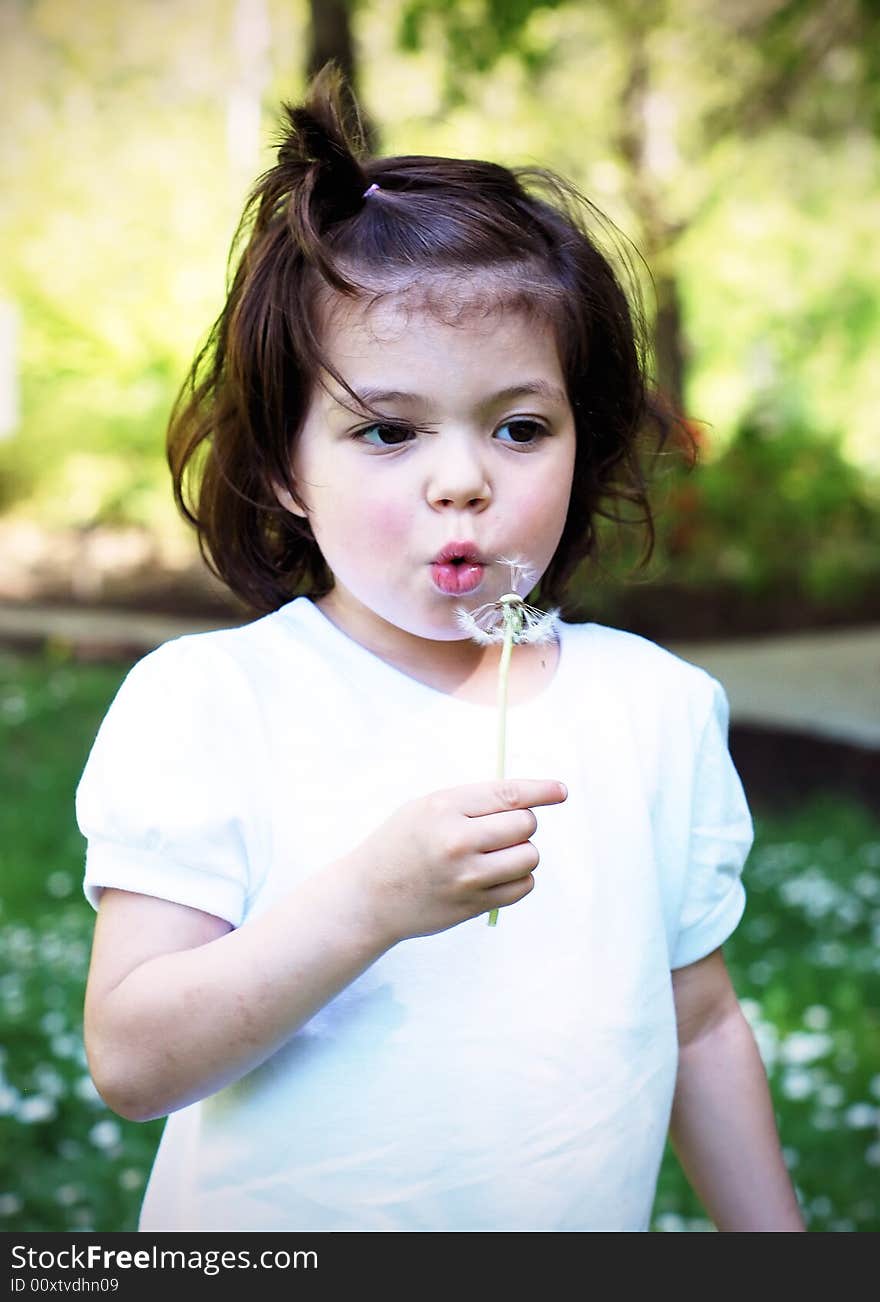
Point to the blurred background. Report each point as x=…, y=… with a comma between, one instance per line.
x=735, y=143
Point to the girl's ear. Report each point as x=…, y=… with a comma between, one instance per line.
x=285, y=499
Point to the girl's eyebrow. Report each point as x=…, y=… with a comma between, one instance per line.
x=525, y=388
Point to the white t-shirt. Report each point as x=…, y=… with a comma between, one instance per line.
x=509, y=1078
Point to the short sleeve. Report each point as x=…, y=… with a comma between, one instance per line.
x=721, y=835
x=167, y=801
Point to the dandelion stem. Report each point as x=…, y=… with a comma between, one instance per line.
x=512, y=625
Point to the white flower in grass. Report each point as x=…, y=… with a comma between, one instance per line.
x=59, y=885
x=831, y=1095
x=670, y=1223
x=860, y=1115
x=85, y=1090
x=48, y=1081
x=817, y=1017
x=105, y=1134
x=53, y=1022
x=65, y=1046
x=36, y=1108
x=797, y=1083
x=805, y=1046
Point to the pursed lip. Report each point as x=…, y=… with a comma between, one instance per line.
x=465, y=552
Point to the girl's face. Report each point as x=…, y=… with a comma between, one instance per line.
x=488, y=473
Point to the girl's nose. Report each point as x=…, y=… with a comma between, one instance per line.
x=458, y=477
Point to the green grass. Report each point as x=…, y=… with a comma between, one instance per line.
x=805, y=962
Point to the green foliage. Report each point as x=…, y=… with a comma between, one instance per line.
x=68, y=1163
x=803, y=961
x=741, y=159
x=780, y=507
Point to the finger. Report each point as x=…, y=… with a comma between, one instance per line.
x=499, y=897
x=499, y=831
x=501, y=867
x=480, y=798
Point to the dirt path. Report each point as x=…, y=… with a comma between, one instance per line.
x=825, y=683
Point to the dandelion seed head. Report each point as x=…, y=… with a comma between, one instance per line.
x=488, y=623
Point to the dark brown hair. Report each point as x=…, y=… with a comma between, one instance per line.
x=308, y=230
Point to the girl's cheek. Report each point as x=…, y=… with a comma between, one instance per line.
x=388, y=521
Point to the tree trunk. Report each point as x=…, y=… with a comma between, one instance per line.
x=669, y=340
x=331, y=38
x=646, y=142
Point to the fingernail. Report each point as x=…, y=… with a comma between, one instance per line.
x=564, y=789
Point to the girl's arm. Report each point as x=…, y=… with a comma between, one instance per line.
x=722, y=1127
x=178, y=1004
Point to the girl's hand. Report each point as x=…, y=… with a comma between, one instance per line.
x=452, y=855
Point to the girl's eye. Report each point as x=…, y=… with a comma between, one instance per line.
x=523, y=432
x=388, y=436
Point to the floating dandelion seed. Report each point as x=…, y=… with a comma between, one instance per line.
x=507, y=621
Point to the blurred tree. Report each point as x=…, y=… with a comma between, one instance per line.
x=330, y=38
x=735, y=141
x=813, y=62
x=250, y=37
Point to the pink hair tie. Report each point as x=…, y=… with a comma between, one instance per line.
x=374, y=186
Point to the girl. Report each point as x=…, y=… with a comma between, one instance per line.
x=293, y=835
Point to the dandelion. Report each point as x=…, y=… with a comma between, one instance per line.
x=507, y=621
